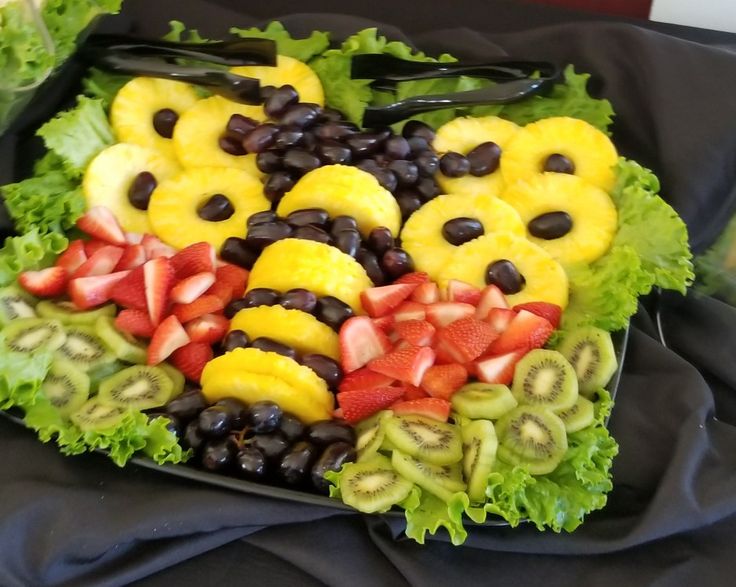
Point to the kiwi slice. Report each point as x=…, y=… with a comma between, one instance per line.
x=84, y=347
x=95, y=415
x=137, y=387
x=426, y=439
x=373, y=485
x=532, y=436
x=439, y=480
x=122, y=345
x=27, y=335
x=369, y=435
x=487, y=401
x=98, y=374
x=15, y=304
x=579, y=416
x=479, y=454
x=591, y=353
x=544, y=377
x=176, y=376
x=67, y=313
x=66, y=387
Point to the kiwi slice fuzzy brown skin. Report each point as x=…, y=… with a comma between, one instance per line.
x=373, y=485
x=84, y=348
x=488, y=401
x=28, y=335
x=579, y=416
x=95, y=415
x=545, y=377
x=535, y=434
x=138, y=387
x=440, y=480
x=369, y=435
x=479, y=455
x=124, y=347
x=590, y=351
x=67, y=313
x=66, y=387
x=426, y=439
x=15, y=304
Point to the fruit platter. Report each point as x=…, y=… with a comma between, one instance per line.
x=423, y=319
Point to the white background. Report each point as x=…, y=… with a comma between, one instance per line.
x=719, y=15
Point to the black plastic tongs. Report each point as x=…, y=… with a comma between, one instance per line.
x=516, y=80
x=155, y=58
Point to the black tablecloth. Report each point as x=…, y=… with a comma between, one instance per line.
x=671, y=518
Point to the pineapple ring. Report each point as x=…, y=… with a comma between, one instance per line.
x=172, y=210
x=589, y=149
x=593, y=213
x=297, y=329
x=318, y=267
x=341, y=189
x=546, y=280
x=132, y=110
x=287, y=71
x=462, y=135
x=108, y=177
x=422, y=236
x=198, y=131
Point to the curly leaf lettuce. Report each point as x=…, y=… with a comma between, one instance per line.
x=301, y=49
x=103, y=85
x=21, y=375
x=426, y=513
x=32, y=250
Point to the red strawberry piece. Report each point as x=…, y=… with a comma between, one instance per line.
x=550, y=312
x=426, y=293
x=135, y=322
x=364, y=378
x=158, y=277
x=100, y=223
x=500, y=318
x=416, y=277
x=133, y=256
x=206, y=304
x=210, y=328
x=459, y=291
x=410, y=311
x=196, y=258
x=379, y=301
x=490, y=297
x=91, y=247
x=414, y=392
x=385, y=323
x=417, y=332
x=400, y=345
x=361, y=341
x=88, y=292
x=222, y=290
x=526, y=331
x=466, y=339
x=443, y=380
x=169, y=336
x=442, y=356
x=73, y=257
x=431, y=407
x=498, y=369
x=443, y=313
x=191, y=359
x=133, y=238
x=46, y=283
x=360, y=404
x=234, y=276
x=190, y=288
x=130, y=292
x=101, y=262
x=155, y=248
x=406, y=364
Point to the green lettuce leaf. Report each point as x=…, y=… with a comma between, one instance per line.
x=45, y=419
x=301, y=49
x=179, y=33
x=103, y=85
x=162, y=446
x=21, y=375
x=29, y=251
x=426, y=513
x=716, y=268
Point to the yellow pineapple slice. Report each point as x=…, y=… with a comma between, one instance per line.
x=464, y=134
x=341, y=189
x=593, y=214
x=108, y=178
x=294, y=328
x=422, y=236
x=174, y=205
x=318, y=267
x=287, y=71
x=135, y=105
x=589, y=150
x=198, y=131
x=545, y=278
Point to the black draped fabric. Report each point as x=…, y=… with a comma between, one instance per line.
x=671, y=518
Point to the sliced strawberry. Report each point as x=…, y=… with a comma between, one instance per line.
x=91, y=247
x=385, y=323
x=88, y=292
x=498, y=369
x=431, y=407
x=206, y=304
x=130, y=292
x=364, y=378
x=100, y=223
x=414, y=392
x=443, y=313
x=135, y=322
x=222, y=290
x=406, y=364
x=466, y=339
x=426, y=293
x=210, y=328
x=410, y=311
x=417, y=332
x=158, y=277
x=191, y=359
x=550, y=312
x=442, y=356
x=155, y=248
x=101, y=262
x=416, y=277
x=380, y=301
x=500, y=318
x=443, y=380
x=490, y=297
x=73, y=257
x=361, y=341
x=133, y=256
x=360, y=404
x=190, y=288
x=401, y=345
x=133, y=238
x=196, y=258
x=234, y=276
x=459, y=291
x=526, y=331
x=169, y=336
x=46, y=283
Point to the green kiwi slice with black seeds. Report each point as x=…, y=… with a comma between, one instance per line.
x=479, y=455
x=429, y=440
x=440, y=480
x=15, y=304
x=84, y=347
x=123, y=346
x=66, y=387
x=28, y=335
x=579, y=416
x=545, y=377
x=591, y=353
x=373, y=485
x=176, y=376
x=95, y=415
x=67, y=312
x=137, y=387
x=479, y=400
x=369, y=435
